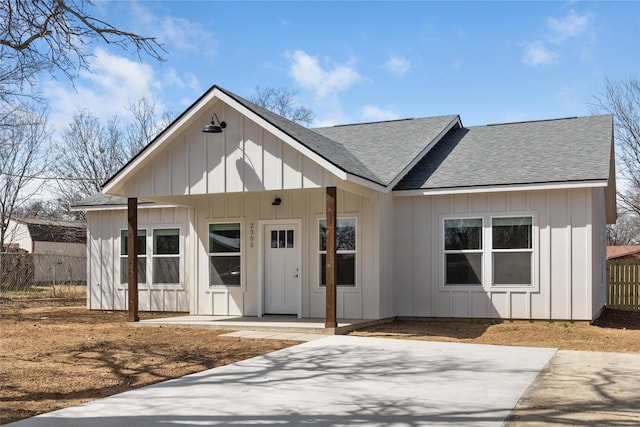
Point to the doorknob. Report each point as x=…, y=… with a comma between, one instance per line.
x=296, y=275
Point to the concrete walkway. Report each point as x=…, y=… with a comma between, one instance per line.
x=333, y=381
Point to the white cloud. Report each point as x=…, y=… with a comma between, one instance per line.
x=106, y=89
x=538, y=54
x=558, y=37
x=308, y=73
x=373, y=113
x=177, y=35
x=571, y=26
x=398, y=65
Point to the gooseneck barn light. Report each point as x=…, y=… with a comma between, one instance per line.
x=213, y=127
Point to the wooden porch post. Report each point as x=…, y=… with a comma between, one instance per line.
x=331, y=272
x=132, y=258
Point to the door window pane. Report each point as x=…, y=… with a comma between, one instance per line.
x=274, y=238
x=289, y=238
x=281, y=238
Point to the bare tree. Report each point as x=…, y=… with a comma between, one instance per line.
x=282, y=101
x=54, y=36
x=145, y=125
x=88, y=154
x=22, y=162
x=626, y=230
x=622, y=99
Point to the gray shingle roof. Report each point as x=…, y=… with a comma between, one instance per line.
x=387, y=148
x=551, y=151
x=330, y=150
x=101, y=199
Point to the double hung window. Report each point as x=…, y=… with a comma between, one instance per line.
x=463, y=252
x=512, y=251
x=166, y=256
x=225, y=254
x=345, y=252
x=142, y=256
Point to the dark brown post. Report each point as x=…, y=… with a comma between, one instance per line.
x=132, y=258
x=331, y=273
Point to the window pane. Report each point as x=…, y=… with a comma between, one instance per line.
x=511, y=233
x=274, y=239
x=166, y=241
x=345, y=234
x=281, y=239
x=461, y=234
x=512, y=268
x=224, y=237
x=142, y=242
x=463, y=269
x=346, y=266
x=289, y=238
x=224, y=270
x=166, y=270
x=142, y=270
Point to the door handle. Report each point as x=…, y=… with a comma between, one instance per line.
x=296, y=275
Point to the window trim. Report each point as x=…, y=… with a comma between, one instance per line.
x=241, y=254
x=180, y=256
x=356, y=252
x=531, y=250
x=487, y=251
x=445, y=252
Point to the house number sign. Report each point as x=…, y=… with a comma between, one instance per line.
x=252, y=236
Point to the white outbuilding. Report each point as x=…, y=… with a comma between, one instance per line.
x=433, y=218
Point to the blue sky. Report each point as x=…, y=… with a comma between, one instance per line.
x=356, y=61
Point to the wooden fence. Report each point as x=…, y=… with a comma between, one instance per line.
x=623, y=285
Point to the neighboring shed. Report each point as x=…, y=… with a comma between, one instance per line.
x=434, y=219
x=58, y=248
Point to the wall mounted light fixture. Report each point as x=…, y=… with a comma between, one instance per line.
x=277, y=201
x=213, y=127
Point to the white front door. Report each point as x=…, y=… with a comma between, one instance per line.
x=281, y=269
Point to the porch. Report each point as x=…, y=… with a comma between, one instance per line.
x=277, y=324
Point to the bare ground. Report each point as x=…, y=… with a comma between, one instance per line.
x=55, y=356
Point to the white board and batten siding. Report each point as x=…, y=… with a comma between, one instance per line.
x=105, y=290
x=303, y=207
x=567, y=230
x=243, y=158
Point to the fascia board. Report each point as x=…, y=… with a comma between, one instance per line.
x=500, y=188
x=426, y=149
x=339, y=173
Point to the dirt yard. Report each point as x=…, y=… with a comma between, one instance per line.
x=57, y=356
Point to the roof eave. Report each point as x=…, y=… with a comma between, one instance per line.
x=536, y=186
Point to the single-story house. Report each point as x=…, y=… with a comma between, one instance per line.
x=434, y=218
x=623, y=252
x=58, y=249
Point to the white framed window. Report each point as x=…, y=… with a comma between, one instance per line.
x=166, y=256
x=346, y=252
x=225, y=254
x=512, y=251
x=142, y=256
x=463, y=252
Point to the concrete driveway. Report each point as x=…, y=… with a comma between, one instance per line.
x=333, y=381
